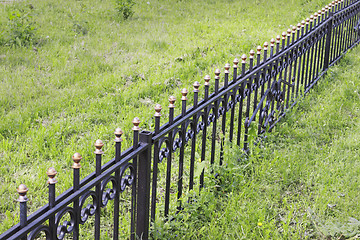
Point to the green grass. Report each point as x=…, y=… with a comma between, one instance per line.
x=88, y=72
x=302, y=182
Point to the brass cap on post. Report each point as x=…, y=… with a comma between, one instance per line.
x=289, y=32
x=311, y=18
x=272, y=41
x=207, y=79
x=76, y=158
x=196, y=86
x=319, y=12
x=303, y=23
x=227, y=67
x=172, y=100
x=323, y=11
x=298, y=26
x=326, y=8
x=283, y=35
x=252, y=53
x=307, y=21
x=22, y=190
x=266, y=44
x=243, y=58
x=258, y=50
x=98, y=145
x=294, y=29
x=217, y=73
x=184, y=92
x=236, y=61
x=51, y=172
x=315, y=15
x=136, y=122
x=330, y=5
x=118, y=133
x=278, y=39
x=157, y=110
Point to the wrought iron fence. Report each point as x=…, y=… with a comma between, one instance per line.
x=256, y=96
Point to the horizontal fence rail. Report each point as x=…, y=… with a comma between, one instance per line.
x=160, y=166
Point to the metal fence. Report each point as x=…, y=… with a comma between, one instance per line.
x=256, y=96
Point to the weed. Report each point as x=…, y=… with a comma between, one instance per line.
x=125, y=8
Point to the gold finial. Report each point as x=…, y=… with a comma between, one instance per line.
x=278, y=39
x=196, y=86
x=136, y=122
x=315, y=15
x=326, y=8
x=311, y=18
x=76, y=158
x=118, y=132
x=307, y=21
x=266, y=44
x=302, y=23
x=252, y=53
x=172, y=100
x=157, y=110
x=330, y=5
x=51, y=172
x=22, y=190
x=298, y=26
x=243, y=58
x=319, y=12
x=283, y=35
x=184, y=92
x=293, y=29
x=98, y=145
x=227, y=67
x=207, y=79
x=236, y=61
x=289, y=32
x=272, y=41
x=258, y=50
x=217, y=73
x=323, y=11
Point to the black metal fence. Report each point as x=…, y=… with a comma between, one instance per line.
x=256, y=96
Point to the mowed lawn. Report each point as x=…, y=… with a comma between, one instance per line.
x=88, y=72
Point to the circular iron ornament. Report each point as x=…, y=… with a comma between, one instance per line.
x=67, y=226
x=267, y=78
x=108, y=193
x=177, y=142
x=128, y=179
x=230, y=105
x=164, y=152
x=273, y=73
x=200, y=126
x=221, y=111
x=189, y=134
x=238, y=98
x=90, y=209
x=42, y=228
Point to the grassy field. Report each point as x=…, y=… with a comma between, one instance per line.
x=302, y=182
x=88, y=71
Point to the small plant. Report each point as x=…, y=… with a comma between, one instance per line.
x=124, y=8
x=20, y=30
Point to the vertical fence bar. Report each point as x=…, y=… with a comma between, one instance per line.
x=172, y=100
x=51, y=172
x=196, y=86
x=157, y=116
x=76, y=184
x=232, y=117
x=216, y=108
x=328, y=41
x=22, y=190
x=241, y=93
x=248, y=101
x=184, y=93
x=98, y=152
x=206, y=124
x=134, y=192
x=223, y=121
x=143, y=194
x=118, y=133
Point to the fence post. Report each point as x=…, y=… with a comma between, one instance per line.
x=22, y=190
x=328, y=42
x=143, y=193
